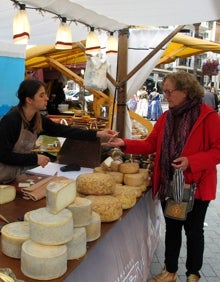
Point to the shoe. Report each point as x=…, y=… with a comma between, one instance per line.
x=164, y=276
x=192, y=278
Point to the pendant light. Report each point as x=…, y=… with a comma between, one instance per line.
x=92, y=43
x=21, y=26
x=64, y=36
x=112, y=44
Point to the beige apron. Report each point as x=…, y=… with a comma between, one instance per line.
x=25, y=144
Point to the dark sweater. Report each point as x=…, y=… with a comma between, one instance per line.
x=10, y=127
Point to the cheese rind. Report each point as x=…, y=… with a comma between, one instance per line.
x=108, y=207
x=13, y=235
x=129, y=167
x=7, y=193
x=51, y=229
x=95, y=184
x=76, y=248
x=135, y=179
x=43, y=262
x=93, y=230
x=81, y=210
x=59, y=194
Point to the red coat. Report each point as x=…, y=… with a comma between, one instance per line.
x=202, y=150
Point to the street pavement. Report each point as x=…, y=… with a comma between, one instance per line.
x=211, y=265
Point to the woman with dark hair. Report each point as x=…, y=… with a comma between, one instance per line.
x=21, y=126
x=186, y=139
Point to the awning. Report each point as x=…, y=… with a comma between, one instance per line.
x=181, y=46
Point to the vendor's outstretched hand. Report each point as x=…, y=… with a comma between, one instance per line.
x=106, y=134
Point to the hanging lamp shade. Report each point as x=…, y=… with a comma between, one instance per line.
x=112, y=44
x=21, y=26
x=92, y=43
x=64, y=36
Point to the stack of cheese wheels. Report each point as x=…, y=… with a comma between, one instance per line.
x=99, y=188
x=130, y=180
x=51, y=233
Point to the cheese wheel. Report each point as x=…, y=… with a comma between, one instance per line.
x=129, y=167
x=81, y=210
x=126, y=197
x=51, y=229
x=43, y=262
x=134, y=179
x=99, y=169
x=27, y=216
x=13, y=235
x=115, y=165
x=7, y=193
x=93, y=230
x=95, y=184
x=136, y=189
x=108, y=207
x=76, y=248
x=118, y=176
x=59, y=194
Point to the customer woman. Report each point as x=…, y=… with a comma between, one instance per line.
x=186, y=139
x=22, y=125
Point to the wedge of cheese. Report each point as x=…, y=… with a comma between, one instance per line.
x=43, y=262
x=59, y=194
x=13, y=236
x=50, y=229
x=81, y=210
x=7, y=193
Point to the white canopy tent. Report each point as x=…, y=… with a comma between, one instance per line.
x=111, y=15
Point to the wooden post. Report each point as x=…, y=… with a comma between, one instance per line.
x=121, y=75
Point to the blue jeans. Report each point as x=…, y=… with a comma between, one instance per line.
x=194, y=232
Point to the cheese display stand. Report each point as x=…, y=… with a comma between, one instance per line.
x=123, y=252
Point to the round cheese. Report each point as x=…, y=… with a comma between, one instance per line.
x=81, y=210
x=13, y=235
x=134, y=179
x=93, y=230
x=51, y=229
x=126, y=197
x=95, y=184
x=136, y=189
x=115, y=165
x=76, y=248
x=7, y=193
x=108, y=207
x=118, y=176
x=99, y=169
x=43, y=262
x=129, y=167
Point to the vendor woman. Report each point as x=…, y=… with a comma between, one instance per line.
x=21, y=126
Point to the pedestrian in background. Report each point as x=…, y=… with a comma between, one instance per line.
x=209, y=98
x=187, y=147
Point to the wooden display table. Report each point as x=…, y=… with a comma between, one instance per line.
x=122, y=253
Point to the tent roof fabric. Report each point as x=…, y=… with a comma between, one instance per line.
x=109, y=15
